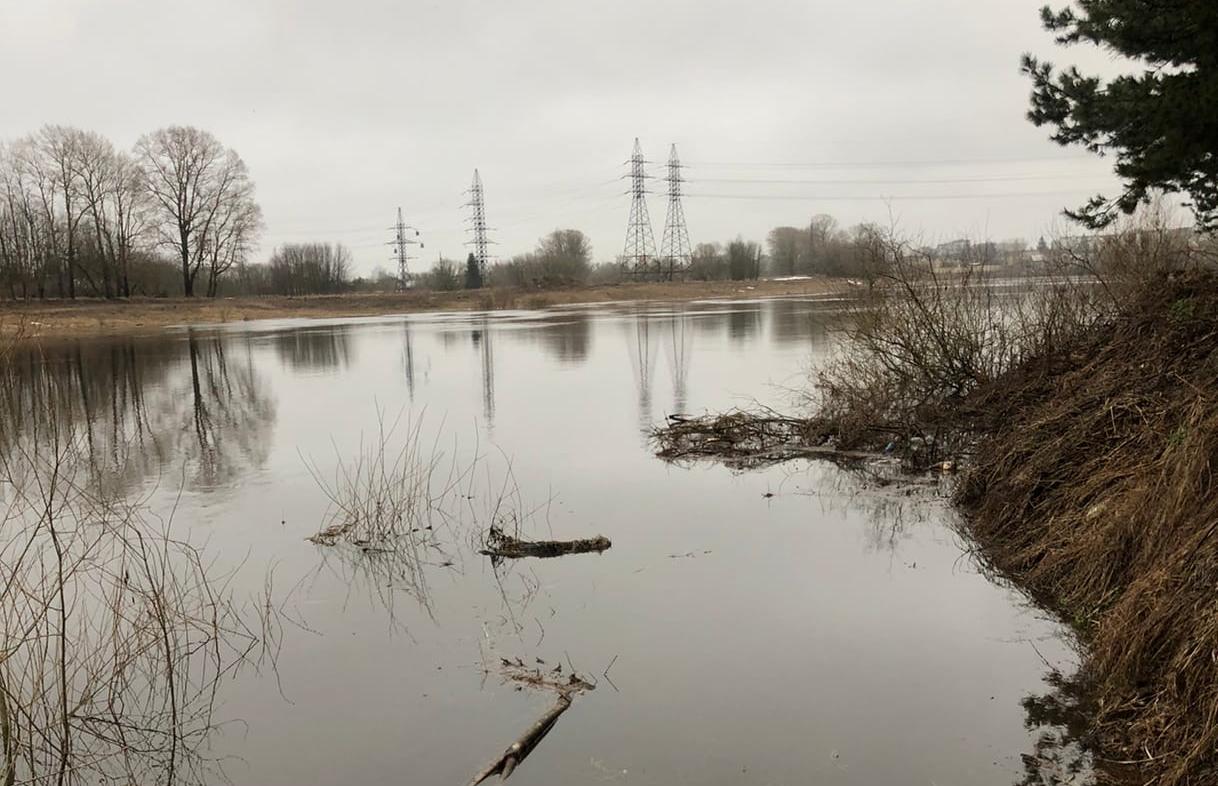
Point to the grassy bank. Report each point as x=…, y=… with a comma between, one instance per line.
x=85, y=316
x=1093, y=488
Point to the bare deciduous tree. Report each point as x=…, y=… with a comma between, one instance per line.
x=203, y=198
x=309, y=269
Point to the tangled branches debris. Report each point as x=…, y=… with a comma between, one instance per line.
x=747, y=440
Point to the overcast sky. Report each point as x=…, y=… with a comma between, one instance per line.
x=345, y=111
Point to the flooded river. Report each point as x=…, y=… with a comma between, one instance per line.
x=778, y=626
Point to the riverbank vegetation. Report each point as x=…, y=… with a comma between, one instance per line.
x=116, y=634
x=1092, y=486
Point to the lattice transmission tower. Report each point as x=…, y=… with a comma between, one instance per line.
x=675, y=250
x=477, y=224
x=404, y=236
x=639, y=254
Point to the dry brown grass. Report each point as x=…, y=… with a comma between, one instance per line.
x=1094, y=489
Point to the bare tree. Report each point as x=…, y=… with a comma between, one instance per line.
x=36, y=183
x=786, y=246
x=203, y=198
x=55, y=151
x=94, y=164
x=18, y=225
x=132, y=213
x=229, y=239
x=309, y=269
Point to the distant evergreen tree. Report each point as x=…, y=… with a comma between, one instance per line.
x=473, y=273
x=1161, y=123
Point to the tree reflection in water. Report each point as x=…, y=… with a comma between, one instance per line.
x=1059, y=721
x=139, y=404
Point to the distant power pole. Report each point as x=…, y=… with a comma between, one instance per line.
x=674, y=247
x=477, y=221
x=403, y=237
x=640, y=247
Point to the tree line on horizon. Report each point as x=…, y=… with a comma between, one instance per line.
x=79, y=216
x=178, y=215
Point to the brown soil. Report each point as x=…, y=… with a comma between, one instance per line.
x=86, y=316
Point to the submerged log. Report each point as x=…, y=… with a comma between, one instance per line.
x=503, y=546
x=517, y=751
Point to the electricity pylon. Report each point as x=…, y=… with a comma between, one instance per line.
x=638, y=256
x=477, y=221
x=402, y=240
x=674, y=247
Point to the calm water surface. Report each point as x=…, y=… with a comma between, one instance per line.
x=821, y=635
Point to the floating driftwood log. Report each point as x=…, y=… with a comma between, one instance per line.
x=518, y=750
x=566, y=689
x=501, y=545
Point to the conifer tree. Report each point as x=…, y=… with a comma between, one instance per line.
x=1160, y=121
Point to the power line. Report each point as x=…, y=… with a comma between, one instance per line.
x=879, y=164
x=896, y=181
x=895, y=198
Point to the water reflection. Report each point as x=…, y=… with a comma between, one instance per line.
x=679, y=347
x=744, y=322
x=142, y=404
x=651, y=333
x=231, y=413
x=116, y=637
x=324, y=349
x=1064, y=749
x=642, y=364
x=864, y=606
x=792, y=323
x=408, y=357
x=482, y=341
x=568, y=338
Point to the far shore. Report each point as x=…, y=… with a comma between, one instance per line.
x=85, y=317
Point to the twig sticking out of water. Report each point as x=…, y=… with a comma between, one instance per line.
x=115, y=635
